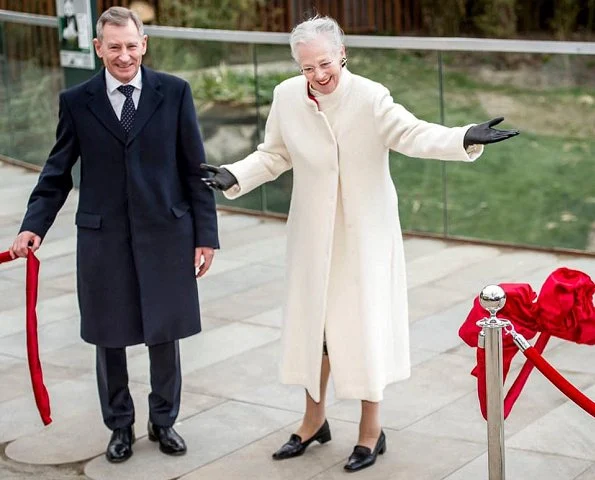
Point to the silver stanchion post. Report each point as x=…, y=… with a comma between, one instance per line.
x=493, y=298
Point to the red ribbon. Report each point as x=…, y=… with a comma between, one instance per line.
x=42, y=398
x=563, y=309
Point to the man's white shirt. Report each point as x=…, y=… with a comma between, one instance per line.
x=116, y=97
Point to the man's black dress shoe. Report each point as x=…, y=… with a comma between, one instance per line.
x=170, y=442
x=363, y=457
x=295, y=447
x=119, y=447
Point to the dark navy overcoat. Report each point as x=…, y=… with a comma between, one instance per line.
x=142, y=210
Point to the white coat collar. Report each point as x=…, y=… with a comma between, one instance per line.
x=332, y=99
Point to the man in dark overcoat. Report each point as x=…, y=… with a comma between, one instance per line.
x=147, y=224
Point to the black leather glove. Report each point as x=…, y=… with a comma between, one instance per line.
x=222, y=180
x=483, y=133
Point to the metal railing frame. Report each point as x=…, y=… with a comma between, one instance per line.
x=356, y=41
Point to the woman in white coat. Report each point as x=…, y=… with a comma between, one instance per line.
x=346, y=304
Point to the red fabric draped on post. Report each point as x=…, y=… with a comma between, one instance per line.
x=41, y=395
x=563, y=309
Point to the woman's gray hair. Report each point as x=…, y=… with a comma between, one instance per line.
x=307, y=31
x=118, y=16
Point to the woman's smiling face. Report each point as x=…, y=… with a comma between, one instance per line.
x=320, y=62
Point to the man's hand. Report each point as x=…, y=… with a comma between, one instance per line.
x=203, y=257
x=21, y=244
x=483, y=133
x=222, y=180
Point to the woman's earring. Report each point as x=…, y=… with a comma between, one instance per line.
x=344, y=61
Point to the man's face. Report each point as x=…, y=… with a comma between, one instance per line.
x=121, y=49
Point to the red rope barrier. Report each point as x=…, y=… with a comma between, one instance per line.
x=559, y=381
x=42, y=399
x=517, y=386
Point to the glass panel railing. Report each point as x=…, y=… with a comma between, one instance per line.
x=30, y=81
x=537, y=188
x=221, y=76
x=274, y=64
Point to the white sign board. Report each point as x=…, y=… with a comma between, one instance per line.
x=76, y=34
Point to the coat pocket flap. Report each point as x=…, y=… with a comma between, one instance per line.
x=180, y=209
x=88, y=220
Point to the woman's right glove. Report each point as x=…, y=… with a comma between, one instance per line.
x=222, y=178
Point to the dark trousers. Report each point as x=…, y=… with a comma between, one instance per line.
x=166, y=384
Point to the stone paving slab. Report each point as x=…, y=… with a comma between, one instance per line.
x=269, y=318
x=588, y=474
x=439, y=264
x=507, y=267
x=209, y=348
x=56, y=248
x=440, y=332
x=326, y=461
x=573, y=357
x=433, y=385
x=251, y=377
x=19, y=416
x=76, y=352
x=225, y=285
x=254, y=461
x=427, y=300
x=411, y=456
x=209, y=435
x=416, y=247
x=51, y=336
x=523, y=465
x=13, y=296
x=566, y=430
x=50, y=310
x=258, y=251
x=230, y=221
x=84, y=436
x=247, y=303
x=15, y=380
x=51, y=267
x=64, y=283
x=462, y=418
x=265, y=229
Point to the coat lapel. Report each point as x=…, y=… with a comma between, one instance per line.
x=150, y=98
x=101, y=107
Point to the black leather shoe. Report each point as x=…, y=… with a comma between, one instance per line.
x=363, y=457
x=295, y=447
x=170, y=442
x=119, y=447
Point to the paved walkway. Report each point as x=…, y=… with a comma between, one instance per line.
x=234, y=411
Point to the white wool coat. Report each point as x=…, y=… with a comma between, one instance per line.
x=345, y=263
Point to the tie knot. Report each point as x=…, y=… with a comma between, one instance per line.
x=126, y=90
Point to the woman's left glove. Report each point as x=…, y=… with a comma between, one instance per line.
x=483, y=133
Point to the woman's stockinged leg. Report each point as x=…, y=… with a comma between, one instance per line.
x=315, y=412
x=369, y=426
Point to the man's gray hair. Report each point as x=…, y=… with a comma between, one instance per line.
x=308, y=30
x=118, y=16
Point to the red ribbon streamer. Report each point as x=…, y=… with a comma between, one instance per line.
x=564, y=308
x=42, y=398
